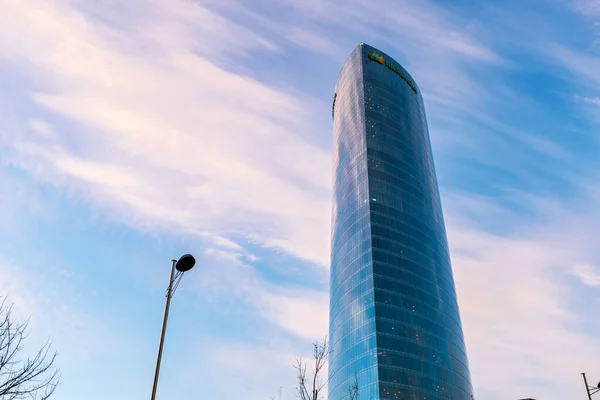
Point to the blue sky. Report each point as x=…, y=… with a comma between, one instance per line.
x=133, y=132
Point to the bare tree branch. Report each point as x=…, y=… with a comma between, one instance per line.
x=33, y=378
x=311, y=387
x=353, y=389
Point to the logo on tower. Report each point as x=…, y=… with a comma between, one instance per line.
x=376, y=57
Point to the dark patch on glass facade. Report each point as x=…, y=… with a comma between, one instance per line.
x=394, y=318
x=333, y=105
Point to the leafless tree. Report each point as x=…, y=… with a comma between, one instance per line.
x=32, y=378
x=310, y=387
x=353, y=389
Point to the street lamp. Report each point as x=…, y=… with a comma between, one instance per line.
x=185, y=263
x=590, y=389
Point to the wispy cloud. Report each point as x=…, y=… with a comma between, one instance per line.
x=244, y=134
x=587, y=274
x=42, y=128
x=257, y=371
x=580, y=63
x=513, y=290
x=589, y=8
x=297, y=310
x=592, y=100
x=74, y=333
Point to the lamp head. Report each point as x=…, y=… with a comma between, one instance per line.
x=185, y=263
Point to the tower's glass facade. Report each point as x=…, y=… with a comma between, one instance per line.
x=394, y=320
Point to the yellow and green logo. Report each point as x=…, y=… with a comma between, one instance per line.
x=374, y=56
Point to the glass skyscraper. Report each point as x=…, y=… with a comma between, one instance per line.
x=394, y=319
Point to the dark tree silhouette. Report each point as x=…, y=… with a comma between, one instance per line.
x=310, y=387
x=353, y=389
x=34, y=378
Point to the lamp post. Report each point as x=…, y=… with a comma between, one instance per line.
x=590, y=390
x=185, y=263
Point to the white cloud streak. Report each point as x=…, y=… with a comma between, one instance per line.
x=226, y=144
x=513, y=296
x=298, y=311
x=587, y=274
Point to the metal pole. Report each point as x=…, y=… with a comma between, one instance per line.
x=587, y=387
x=164, y=328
